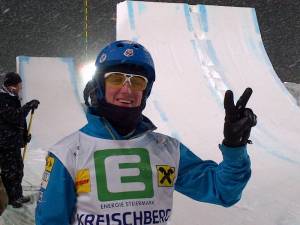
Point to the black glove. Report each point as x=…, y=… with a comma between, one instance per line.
x=28, y=138
x=238, y=119
x=33, y=104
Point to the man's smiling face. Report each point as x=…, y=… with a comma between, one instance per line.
x=123, y=96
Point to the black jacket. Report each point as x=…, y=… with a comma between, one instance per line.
x=13, y=128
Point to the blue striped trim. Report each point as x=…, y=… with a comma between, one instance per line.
x=73, y=76
x=131, y=14
x=22, y=61
x=188, y=18
x=208, y=49
x=212, y=52
x=255, y=22
x=276, y=151
x=142, y=7
x=202, y=16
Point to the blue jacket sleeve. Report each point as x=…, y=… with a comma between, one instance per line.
x=57, y=199
x=207, y=181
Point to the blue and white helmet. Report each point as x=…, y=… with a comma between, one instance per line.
x=124, y=56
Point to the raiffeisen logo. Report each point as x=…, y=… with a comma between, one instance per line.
x=123, y=174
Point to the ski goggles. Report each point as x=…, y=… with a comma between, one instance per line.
x=118, y=79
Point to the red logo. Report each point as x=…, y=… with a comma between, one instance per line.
x=128, y=52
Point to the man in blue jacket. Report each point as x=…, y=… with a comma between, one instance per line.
x=117, y=170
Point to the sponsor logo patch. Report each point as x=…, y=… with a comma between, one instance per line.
x=128, y=52
x=123, y=174
x=45, y=179
x=83, y=181
x=165, y=175
x=40, y=197
x=102, y=58
x=137, y=217
x=49, y=163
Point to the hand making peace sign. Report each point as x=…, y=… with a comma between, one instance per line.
x=238, y=119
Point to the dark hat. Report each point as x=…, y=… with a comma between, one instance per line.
x=11, y=79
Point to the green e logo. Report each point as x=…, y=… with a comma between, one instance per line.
x=123, y=174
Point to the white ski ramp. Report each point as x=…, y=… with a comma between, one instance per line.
x=201, y=51
x=53, y=82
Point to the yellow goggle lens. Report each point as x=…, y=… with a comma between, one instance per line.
x=137, y=82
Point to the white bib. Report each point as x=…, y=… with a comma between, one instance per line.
x=121, y=182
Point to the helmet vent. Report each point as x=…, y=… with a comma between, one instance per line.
x=120, y=45
x=135, y=46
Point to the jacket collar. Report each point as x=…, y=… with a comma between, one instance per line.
x=5, y=90
x=99, y=127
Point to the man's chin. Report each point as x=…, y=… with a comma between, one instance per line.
x=124, y=105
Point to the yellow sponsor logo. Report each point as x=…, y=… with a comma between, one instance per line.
x=165, y=175
x=49, y=163
x=83, y=181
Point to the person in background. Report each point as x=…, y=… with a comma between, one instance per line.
x=118, y=170
x=13, y=137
